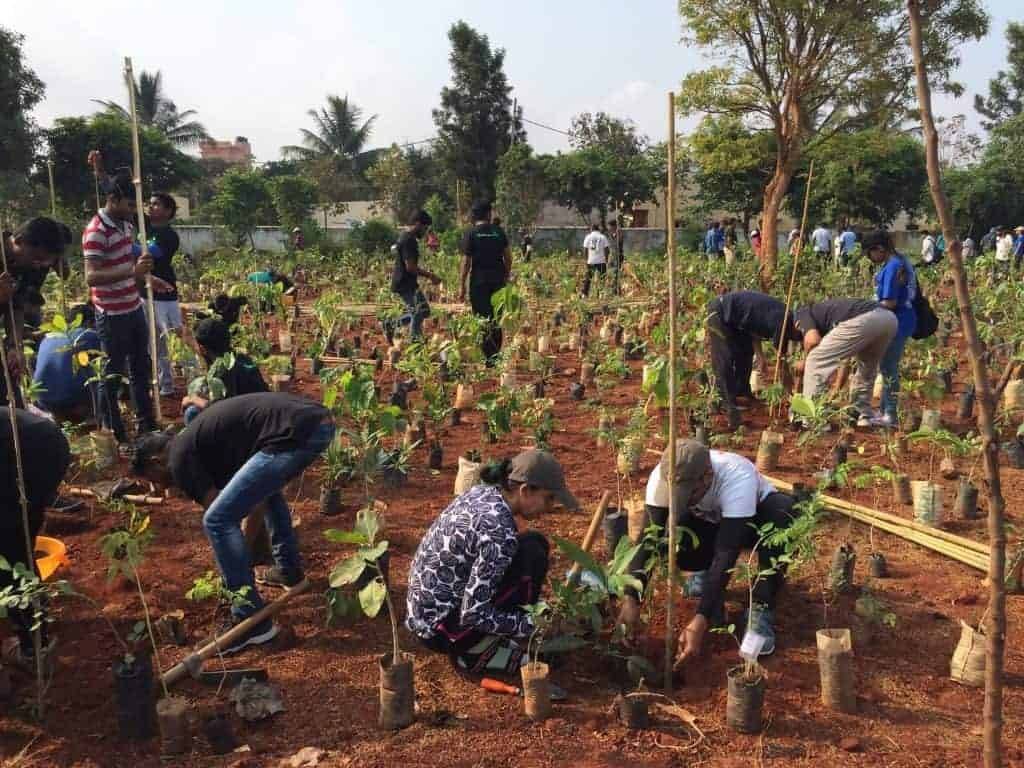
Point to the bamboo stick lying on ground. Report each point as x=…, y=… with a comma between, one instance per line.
x=89, y=493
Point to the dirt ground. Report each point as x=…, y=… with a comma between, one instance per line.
x=910, y=712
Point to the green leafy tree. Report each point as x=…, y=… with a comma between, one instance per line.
x=520, y=187
x=808, y=70
x=20, y=91
x=294, y=198
x=397, y=185
x=475, y=122
x=243, y=202
x=1006, y=90
x=870, y=175
x=155, y=110
x=164, y=166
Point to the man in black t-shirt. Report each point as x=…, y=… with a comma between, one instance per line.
x=162, y=209
x=242, y=378
x=486, y=265
x=837, y=329
x=234, y=459
x=737, y=323
x=406, y=272
x=45, y=457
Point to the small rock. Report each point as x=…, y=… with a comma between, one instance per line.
x=851, y=744
x=307, y=757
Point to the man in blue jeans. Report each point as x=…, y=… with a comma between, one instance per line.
x=234, y=459
x=406, y=272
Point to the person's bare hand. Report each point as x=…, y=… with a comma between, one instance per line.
x=691, y=640
x=144, y=265
x=15, y=363
x=629, y=612
x=7, y=287
x=95, y=160
x=162, y=286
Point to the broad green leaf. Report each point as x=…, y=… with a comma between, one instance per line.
x=373, y=554
x=367, y=524
x=345, y=537
x=371, y=597
x=577, y=555
x=347, y=571
x=803, y=406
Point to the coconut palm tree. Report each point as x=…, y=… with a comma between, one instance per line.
x=340, y=135
x=157, y=111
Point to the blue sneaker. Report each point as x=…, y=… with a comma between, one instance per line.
x=696, y=584
x=762, y=621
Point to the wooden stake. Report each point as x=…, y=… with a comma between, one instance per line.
x=129, y=77
x=670, y=237
x=792, y=284
x=591, y=534
x=12, y=412
x=53, y=213
x=995, y=632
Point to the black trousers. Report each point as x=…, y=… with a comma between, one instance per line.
x=601, y=269
x=718, y=547
x=521, y=585
x=480, y=293
x=732, y=356
x=125, y=341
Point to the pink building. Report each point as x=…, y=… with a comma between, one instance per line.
x=237, y=152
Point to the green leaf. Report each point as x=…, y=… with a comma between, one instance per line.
x=368, y=524
x=577, y=555
x=371, y=597
x=59, y=322
x=347, y=571
x=373, y=554
x=803, y=406
x=345, y=537
x=562, y=644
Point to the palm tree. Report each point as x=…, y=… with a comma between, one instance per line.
x=340, y=135
x=157, y=111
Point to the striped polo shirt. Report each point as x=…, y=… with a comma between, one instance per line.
x=108, y=247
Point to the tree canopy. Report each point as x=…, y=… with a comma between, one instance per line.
x=155, y=110
x=243, y=202
x=1006, y=90
x=396, y=183
x=475, y=122
x=20, y=91
x=520, y=187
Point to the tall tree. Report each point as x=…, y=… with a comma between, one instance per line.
x=808, y=70
x=475, y=122
x=20, y=91
x=397, y=185
x=1006, y=89
x=520, y=187
x=243, y=202
x=294, y=198
x=157, y=111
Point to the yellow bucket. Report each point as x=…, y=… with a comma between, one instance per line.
x=51, y=554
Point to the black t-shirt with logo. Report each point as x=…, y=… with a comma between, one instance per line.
x=485, y=244
x=406, y=249
x=221, y=439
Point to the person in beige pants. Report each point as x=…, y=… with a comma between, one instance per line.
x=837, y=329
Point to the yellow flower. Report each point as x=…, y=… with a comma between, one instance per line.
x=83, y=358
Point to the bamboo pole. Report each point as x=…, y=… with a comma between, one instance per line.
x=792, y=284
x=995, y=632
x=53, y=213
x=670, y=238
x=129, y=77
x=12, y=412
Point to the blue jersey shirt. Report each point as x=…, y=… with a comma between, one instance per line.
x=896, y=281
x=55, y=372
x=848, y=241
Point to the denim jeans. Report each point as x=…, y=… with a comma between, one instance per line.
x=125, y=341
x=416, y=311
x=890, y=370
x=260, y=479
x=190, y=412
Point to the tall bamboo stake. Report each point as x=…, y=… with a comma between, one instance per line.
x=670, y=237
x=12, y=412
x=792, y=283
x=53, y=213
x=129, y=77
x=996, y=629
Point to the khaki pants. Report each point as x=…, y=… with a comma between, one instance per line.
x=865, y=337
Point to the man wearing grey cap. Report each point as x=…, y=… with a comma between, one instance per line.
x=474, y=570
x=723, y=500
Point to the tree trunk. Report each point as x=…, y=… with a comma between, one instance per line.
x=996, y=629
x=774, y=194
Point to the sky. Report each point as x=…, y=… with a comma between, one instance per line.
x=254, y=68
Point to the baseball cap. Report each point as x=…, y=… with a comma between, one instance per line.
x=541, y=470
x=692, y=461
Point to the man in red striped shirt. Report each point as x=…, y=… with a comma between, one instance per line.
x=114, y=274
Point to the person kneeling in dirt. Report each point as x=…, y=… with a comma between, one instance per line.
x=737, y=322
x=45, y=457
x=235, y=458
x=723, y=500
x=242, y=378
x=836, y=329
x=474, y=570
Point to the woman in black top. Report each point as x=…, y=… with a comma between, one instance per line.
x=486, y=263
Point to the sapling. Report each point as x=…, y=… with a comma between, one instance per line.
x=210, y=586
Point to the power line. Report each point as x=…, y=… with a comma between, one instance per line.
x=548, y=127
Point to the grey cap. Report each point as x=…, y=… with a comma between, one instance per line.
x=692, y=461
x=542, y=470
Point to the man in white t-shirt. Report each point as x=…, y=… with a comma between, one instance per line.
x=596, y=247
x=723, y=500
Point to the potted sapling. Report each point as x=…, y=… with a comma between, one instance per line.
x=928, y=499
x=877, y=566
x=339, y=467
x=539, y=418
x=397, y=693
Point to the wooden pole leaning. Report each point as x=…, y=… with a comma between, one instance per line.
x=591, y=534
x=129, y=77
x=670, y=239
x=53, y=213
x=12, y=412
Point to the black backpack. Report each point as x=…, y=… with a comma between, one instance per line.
x=927, y=320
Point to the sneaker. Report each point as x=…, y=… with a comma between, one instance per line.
x=275, y=576
x=696, y=584
x=262, y=633
x=762, y=621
